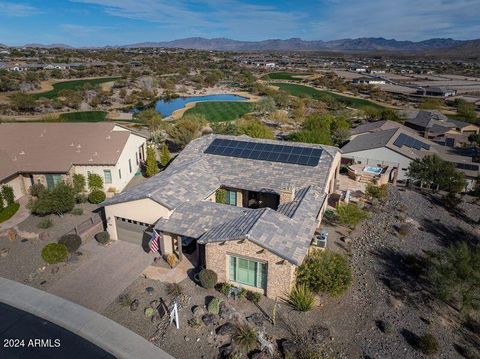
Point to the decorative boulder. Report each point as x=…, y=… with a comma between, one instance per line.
x=257, y=319
x=134, y=305
x=208, y=319
x=226, y=329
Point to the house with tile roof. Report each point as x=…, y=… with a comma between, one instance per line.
x=393, y=145
x=48, y=153
x=250, y=207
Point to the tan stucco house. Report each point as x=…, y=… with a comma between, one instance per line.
x=249, y=208
x=48, y=153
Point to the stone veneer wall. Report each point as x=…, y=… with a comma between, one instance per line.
x=280, y=273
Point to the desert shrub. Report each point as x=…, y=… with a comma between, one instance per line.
x=427, y=344
x=96, y=196
x=171, y=259
x=174, y=289
x=246, y=337
x=214, y=305
x=376, y=191
x=77, y=211
x=224, y=288
x=79, y=183
x=125, y=300
x=254, y=297
x=95, y=182
x=301, y=298
x=8, y=196
x=242, y=294
x=325, y=272
x=37, y=189
x=385, y=327
x=454, y=274
x=404, y=229
x=102, y=237
x=350, y=214
x=148, y=312
x=45, y=223
x=81, y=198
x=221, y=196
x=71, y=241
x=208, y=278
x=58, y=200
x=54, y=253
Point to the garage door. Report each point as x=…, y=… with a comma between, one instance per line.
x=133, y=232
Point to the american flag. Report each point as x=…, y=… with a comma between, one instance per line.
x=154, y=242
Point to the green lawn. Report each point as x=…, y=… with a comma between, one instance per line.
x=8, y=212
x=300, y=90
x=72, y=85
x=83, y=116
x=220, y=111
x=284, y=76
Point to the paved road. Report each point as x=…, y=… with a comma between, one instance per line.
x=18, y=325
x=105, y=275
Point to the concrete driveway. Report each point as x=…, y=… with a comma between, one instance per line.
x=105, y=275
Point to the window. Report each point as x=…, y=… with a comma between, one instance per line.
x=130, y=165
x=247, y=272
x=53, y=180
x=136, y=157
x=119, y=173
x=232, y=197
x=107, y=174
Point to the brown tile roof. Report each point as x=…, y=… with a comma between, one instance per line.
x=55, y=147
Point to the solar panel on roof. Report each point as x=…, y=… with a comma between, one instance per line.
x=405, y=140
x=305, y=156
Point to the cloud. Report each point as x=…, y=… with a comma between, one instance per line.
x=15, y=9
x=207, y=17
x=82, y=30
x=404, y=20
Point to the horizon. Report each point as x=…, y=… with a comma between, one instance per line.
x=98, y=23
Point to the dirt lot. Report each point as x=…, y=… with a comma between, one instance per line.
x=378, y=255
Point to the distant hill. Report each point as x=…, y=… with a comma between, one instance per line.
x=361, y=44
x=432, y=46
x=50, y=46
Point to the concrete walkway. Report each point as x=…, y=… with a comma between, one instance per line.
x=105, y=275
x=95, y=328
x=21, y=215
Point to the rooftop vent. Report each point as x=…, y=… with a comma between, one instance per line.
x=287, y=194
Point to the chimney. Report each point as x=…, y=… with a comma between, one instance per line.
x=287, y=194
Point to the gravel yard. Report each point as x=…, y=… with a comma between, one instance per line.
x=378, y=257
x=23, y=262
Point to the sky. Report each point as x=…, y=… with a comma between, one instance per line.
x=119, y=22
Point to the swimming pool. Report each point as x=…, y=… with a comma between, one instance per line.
x=167, y=107
x=373, y=170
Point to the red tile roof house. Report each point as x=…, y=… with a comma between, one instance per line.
x=253, y=235
x=51, y=152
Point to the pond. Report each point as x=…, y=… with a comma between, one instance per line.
x=167, y=107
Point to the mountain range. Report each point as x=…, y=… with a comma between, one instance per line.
x=297, y=44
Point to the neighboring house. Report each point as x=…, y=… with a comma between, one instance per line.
x=442, y=130
x=400, y=145
x=249, y=207
x=48, y=153
x=436, y=91
x=369, y=81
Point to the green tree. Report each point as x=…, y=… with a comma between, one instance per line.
x=455, y=275
x=254, y=128
x=474, y=139
x=79, y=183
x=432, y=169
x=151, y=118
x=151, y=162
x=350, y=214
x=325, y=272
x=466, y=109
x=95, y=182
x=187, y=129
x=58, y=200
x=315, y=129
x=8, y=195
x=390, y=115
x=2, y=206
x=165, y=156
